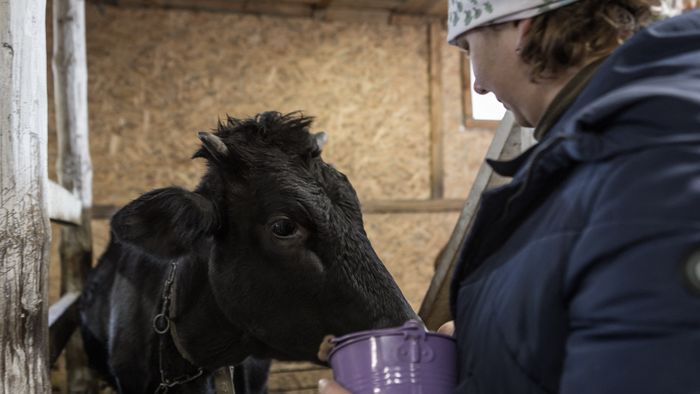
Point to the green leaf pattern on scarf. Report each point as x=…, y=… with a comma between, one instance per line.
x=472, y=13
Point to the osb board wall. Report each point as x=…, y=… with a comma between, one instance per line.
x=157, y=77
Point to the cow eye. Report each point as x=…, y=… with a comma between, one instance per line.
x=283, y=228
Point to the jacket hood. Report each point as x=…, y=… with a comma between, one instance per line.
x=647, y=93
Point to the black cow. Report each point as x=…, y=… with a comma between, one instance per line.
x=266, y=256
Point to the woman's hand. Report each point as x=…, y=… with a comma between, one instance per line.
x=328, y=386
x=447, y=328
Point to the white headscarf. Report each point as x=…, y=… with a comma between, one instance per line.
x=465, y=15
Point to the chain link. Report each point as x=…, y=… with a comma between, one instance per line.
x=161, y=325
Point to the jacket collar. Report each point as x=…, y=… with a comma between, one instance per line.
x=566, y=96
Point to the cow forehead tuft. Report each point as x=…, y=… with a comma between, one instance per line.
x=287, y=132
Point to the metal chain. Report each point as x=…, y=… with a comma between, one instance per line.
x=161, y=325
x=161, y=322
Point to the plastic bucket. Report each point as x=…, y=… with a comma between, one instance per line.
x=402, y=360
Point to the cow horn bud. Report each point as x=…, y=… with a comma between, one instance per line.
x=321, y=139
x=213, y=144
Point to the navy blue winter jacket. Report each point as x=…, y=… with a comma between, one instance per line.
x=582, y=275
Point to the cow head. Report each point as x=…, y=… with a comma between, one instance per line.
x=286, y=254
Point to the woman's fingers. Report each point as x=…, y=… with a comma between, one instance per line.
x=447, y=328
x=328, y=386
x=325, y=348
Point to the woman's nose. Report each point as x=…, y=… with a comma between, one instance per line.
x=478, y=89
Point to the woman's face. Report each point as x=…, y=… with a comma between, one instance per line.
x=497, y=67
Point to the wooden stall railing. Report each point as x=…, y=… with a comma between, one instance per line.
x=509, y=140
x=25, y=233
x=72, y=196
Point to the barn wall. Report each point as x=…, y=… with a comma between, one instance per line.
x=156, y=77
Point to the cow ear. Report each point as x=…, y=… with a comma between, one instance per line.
x=165, y=223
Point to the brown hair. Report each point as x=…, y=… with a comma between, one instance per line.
x=587, y=29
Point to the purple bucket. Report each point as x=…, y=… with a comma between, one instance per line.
x=400, y=360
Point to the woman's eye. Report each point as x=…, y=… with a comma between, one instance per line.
x=284, y=228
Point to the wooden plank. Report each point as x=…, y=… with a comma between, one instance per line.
x=64, y=207
x=74, y=166
x=318, y=9
x=411, y=19
x=309, y=2
x=105, y=212
x=322, y=4
x=412, y=206
x=439, y=8
x=286, y=377
x=437, y=171
x=345, y=14
x=63, y=320
x=25, y=233
x=369, y=4
x=527, y=138
x=434, y=309
x=292, y=9
x=287, y=9
x=293, y=366
x=416, y=6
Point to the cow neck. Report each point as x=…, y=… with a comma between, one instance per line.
x=200, y=330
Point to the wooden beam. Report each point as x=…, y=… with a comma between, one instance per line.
x=317, y=9
x=73, y=167
x=295, y=9
x=434, y=309
x=63, y=320
x=322, y=4
x=439, y=8
x=388, y=5
x=411, y=19
x=64, y=207
x=105, y=212
x=25, y=232
x=291, y=9
x=412, y=206
x=347, y=14
x=437, y=173
x=416, y=6
x=286, y=377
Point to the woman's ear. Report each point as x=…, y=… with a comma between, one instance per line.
x=523, y=26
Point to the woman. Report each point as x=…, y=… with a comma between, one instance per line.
x=582, y=275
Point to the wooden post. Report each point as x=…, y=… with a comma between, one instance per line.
x=25, y=233
x=437, y=173
x=73, y=165
x=506, y=144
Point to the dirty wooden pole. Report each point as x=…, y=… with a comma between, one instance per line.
x=25, y=234
x=74, y=168
x=507, y=143
x=437, y=173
